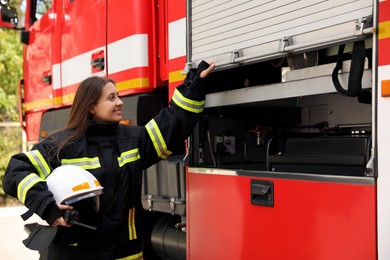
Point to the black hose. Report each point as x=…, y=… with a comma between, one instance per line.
x=356, y=70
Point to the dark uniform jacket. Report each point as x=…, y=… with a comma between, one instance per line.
x=116, y=155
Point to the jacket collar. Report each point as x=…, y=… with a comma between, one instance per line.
x=101, y=129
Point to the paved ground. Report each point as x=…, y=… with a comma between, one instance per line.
x=12, y=233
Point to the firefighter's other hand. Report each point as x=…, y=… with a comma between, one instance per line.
x=206, y=72
x=61, y=221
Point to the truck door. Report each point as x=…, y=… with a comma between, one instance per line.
x=38, y=58
x=83, y=41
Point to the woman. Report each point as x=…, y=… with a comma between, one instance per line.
x=115, y=154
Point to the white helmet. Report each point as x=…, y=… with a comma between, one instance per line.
x=70, y=183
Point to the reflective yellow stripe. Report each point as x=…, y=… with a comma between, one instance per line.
x=132, y=231
x=157, y=139
x=132, y=83
x=384, y=30
x=47, y=102
x=68, y=98
x=186, y=103
x=84, y=162
x=25, y=185
x=176, y=76
x=138, y=256
x=39, y=163
x=128, y=156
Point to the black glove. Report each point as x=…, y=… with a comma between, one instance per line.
x=194, y=82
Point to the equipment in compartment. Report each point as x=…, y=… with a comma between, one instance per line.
x=334, y=155
x=237, y=136
x=317, y=134
x=163, y=187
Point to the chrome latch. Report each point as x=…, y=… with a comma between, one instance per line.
x=284, y=42
x=234, y=55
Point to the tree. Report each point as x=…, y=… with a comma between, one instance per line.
x=11, y=61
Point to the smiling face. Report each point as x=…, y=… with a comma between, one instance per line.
x=109, y=106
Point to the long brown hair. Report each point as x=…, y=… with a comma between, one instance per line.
x=86, y=97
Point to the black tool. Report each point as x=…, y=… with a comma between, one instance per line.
x=71, y=216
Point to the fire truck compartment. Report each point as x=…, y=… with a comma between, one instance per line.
x=266, y=118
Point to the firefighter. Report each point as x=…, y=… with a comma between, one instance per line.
x=115, y=154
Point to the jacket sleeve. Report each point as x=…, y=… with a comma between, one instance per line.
x=24, y=179
x=165, y=132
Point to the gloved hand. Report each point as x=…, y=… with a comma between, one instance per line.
x=195, y=78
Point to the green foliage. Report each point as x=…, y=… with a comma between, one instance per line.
x=11, y=60
x=11, y=143
x=8, y=107
x=11, y=65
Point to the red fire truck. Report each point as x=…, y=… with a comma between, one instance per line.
x=290, y=158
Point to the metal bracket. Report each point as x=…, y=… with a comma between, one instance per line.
x=284, y=42
x=150, y=202
x=173, y=205
x=187, y=68
x=370, y=167
x=234, y=55
x=361, y=24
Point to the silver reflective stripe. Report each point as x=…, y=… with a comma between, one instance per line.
x=39, y=163
x=128, y=156
x=186, y=103
x=157, y=139
x=25, y=185
x=85, y=163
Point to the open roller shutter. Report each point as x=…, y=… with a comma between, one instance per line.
x=239, y=31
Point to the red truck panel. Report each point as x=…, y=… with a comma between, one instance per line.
x=37, y=93
x=84, y=27
x=310, y=219
x=131, y=34
x=176, y=11
x=37, y=68
x=123, y=36
x=83, y=35
x=383, y=33
x=33, y=120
